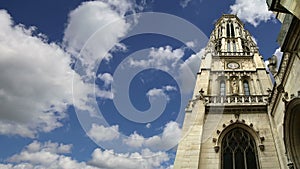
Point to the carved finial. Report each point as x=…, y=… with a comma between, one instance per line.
x=216, y=148
x=214, y=140
x=261, y=147
x=285, y=98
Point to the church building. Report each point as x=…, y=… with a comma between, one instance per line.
x=237, y=118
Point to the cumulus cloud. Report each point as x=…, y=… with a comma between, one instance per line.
x=100, y=133
x=193, y=62
x=45, y=155
x=147, y=159
x=101, y=22
x=164, y=58
x=106, y=78
x=169, y=138
x=49, y=146
x=54, y=156
x=161, y=92
x=253, y=12
x=134, y=140
x=36, y=81
x=170, y=60
x=190, y=44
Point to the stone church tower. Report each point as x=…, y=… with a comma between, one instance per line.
x=226, y=124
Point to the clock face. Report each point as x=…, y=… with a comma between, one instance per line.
x=233, y=65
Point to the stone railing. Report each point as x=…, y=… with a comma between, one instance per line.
x=253, y=99
x=234, y=54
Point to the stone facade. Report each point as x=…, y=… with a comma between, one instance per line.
x=231, y=95
x=284, y=102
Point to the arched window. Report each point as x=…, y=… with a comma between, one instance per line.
x=227, y=30
x=222, y=88
x=246, y=88
x=234, y=46
x=239, y=150
x=232, y=30
x=228, y=46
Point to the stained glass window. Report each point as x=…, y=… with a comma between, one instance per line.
x=222, y=88
x=239, y=150
x=246, y=88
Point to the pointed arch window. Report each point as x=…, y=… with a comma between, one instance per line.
x=228, y=46
x=234, y=46
x=246, y=88
x=232, y=30
x=227, y=30
x=222, y=88
x=239, y=150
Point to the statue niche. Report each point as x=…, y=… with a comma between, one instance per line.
x=234, y=86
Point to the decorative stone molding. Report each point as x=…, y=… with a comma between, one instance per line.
x=238, y=123
x=235, y=99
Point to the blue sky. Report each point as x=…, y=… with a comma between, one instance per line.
x=103, y=84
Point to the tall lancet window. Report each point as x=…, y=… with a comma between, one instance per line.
x=222, y=88
x=239, y=150
x=234, y=46
x=232, y=30
x=246, y=88
x=228, y=46
x=227, y=30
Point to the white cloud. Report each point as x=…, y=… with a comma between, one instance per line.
x=49, y=146
x=193, y=62
x=148, y=125
x=106, y=78
x=147, y=159
x=164, y=58
x=52, y=155
x=161, y=92
x=169, y=88
x=190, y=44
x=120, y=6
x=94, y=19
x=253, y=12
x=170, y=60
x=100, y=133
x=134, y=140
x=36, y=81
x=45, y=155
x=184, y=3
x=169, y=138
x=155, y=92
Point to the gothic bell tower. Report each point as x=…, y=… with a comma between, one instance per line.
x=226, y=123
